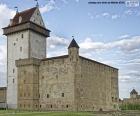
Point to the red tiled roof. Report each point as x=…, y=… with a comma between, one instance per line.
x=26, y=15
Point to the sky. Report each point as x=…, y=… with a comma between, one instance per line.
x=109, y=33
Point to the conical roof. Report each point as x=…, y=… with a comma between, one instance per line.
x=133, y=92
x=73, y=44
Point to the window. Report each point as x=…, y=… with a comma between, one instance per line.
x=36, y=106
x=24, y=94
x=21, y=35
x=20, y=49
x=14, y=44
x=48, y=96
x=67, y=106
x=42, y=77
x=24, y=72
x=62, y=94
x=13, y=80
x=13, y=70
x=20, y=94
x=51, y=106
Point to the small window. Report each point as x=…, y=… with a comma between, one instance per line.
x=42, y=77
x=14, y=44
x=13, y=80
x=62, y=94
x=22, y=36
x=20, y=49
x=67, y=106
x=24, y=72
x=40, y=106
x=13, y=70
x=51, y=106
x=48, y=96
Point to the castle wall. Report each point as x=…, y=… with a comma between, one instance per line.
x=56, y=85
x=2, y=97
x=93, y=86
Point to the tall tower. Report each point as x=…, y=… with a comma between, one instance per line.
x=73, y=50
x=26, y=38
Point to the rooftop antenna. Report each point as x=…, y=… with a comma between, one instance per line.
x=37, y=4
x=16, y=9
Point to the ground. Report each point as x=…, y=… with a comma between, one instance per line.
x=26, y=113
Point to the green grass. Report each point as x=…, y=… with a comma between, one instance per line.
x=25, y=113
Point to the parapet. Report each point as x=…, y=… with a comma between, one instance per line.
x=28, y=61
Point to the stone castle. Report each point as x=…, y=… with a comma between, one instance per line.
x=134, y=98
x=69, y=82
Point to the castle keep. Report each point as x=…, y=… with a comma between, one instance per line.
x=69, y=82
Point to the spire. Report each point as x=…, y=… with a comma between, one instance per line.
x=16, y=9
x=37, y=4
x=133, y=92
x=73, y=43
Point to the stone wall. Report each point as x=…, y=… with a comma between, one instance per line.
x=94, y=86
x=2, y=97
x=56, y=84
x=28, y=84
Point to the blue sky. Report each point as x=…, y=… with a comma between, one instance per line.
x=106, y=33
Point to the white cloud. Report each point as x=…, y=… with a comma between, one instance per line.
x=51, y=5
x=55, y=41
x=124, y=44
x=77, y=0
x=124, y=36
x=115, y=16
x=5, y=15
x=3, y=53
x=105, y=14
x=128, y=12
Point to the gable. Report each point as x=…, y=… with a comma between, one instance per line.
x=37, y=18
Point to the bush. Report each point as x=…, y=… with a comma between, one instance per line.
x=130, y=107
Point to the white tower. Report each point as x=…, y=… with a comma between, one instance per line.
x=26, y=38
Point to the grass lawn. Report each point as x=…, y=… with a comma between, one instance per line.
x=21, y=113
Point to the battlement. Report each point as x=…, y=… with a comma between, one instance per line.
x=31, y=61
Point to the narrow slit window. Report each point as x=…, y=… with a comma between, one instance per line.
x=20, y=49
x=22, y=36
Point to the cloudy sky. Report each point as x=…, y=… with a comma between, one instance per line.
x=106, y=33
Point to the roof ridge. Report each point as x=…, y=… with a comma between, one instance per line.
x=26, y=10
